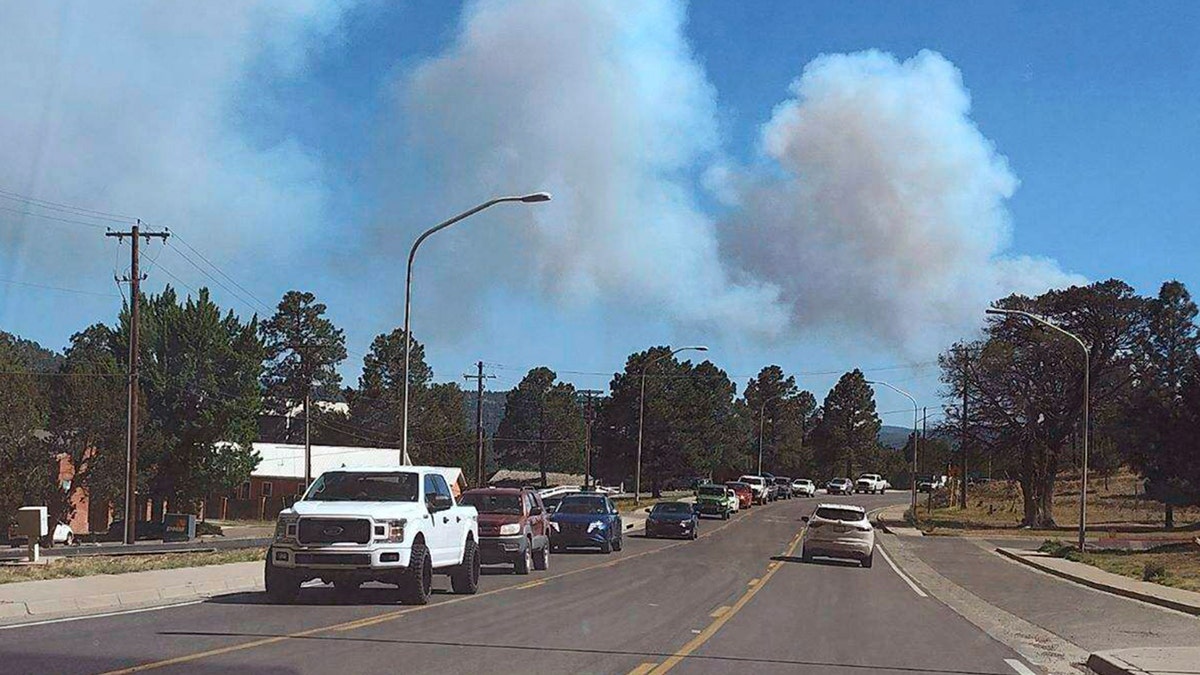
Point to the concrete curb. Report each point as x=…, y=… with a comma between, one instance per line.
x=140, y=598
x=1099, y=585
x=1146, y=661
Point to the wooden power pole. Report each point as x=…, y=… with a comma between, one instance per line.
x=964, y=355
x=589, y=417
x=134, y=279
x=480, y=460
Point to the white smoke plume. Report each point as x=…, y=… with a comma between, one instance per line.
x=604, y=105
x=887, y=216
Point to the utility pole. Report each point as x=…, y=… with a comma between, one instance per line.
x=134, y=280
x=925, y=437
x=589, y=417
x=962, y=447
x=307, y=441
x=480, y=466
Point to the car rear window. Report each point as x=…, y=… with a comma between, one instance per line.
x=837, y=513
x=672, y=507
x=485, y=503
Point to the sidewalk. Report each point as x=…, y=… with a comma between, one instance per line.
x=1146, y=661
x=891, y=520
x=1155, y=594
x=27, y=600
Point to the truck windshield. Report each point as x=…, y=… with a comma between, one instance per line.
x=712, y=492
x=356, y=486
x=501, y=504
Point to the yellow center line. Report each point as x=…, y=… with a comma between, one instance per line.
x=706, y=634
x=390, y=616
x=753, y=581
x=532, y=584
x=643, y=668
x=716, y=613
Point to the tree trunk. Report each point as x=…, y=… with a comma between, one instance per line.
x=1169, y=516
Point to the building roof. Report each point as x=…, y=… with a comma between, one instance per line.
x=286, y=460
x=508, y=477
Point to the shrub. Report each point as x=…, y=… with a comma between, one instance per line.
x=203, y=528
x=1154, y=571
x=1056, y=548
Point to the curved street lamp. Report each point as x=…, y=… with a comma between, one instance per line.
x=637, y=480
x=1087, y=372
x=762, y=411
x=916, y=441
x=531, y=198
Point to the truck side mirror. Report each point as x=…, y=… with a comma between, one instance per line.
x=440, y=502
x=804, y=519
x=535, y=511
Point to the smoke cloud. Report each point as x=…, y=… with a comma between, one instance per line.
x=604, y=105
x=885, y=211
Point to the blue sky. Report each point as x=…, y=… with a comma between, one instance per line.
x=302, y=147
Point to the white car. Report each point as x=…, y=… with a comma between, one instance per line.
x=758, y=485
x=839, y=531
x=398, y=525
x=804, y=487
x=870, y=482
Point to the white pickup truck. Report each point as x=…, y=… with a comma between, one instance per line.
x=871, y=482
x=399, y=525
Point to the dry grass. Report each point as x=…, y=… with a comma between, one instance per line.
x=1181, y=564
x=997, y=508
x=90, y=566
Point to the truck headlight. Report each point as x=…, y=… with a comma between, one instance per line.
x=285, y=529
x=396, y=530
x=595, y=525
x=510, y=529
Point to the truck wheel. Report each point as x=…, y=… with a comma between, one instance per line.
x=464, y=580
x=606, y=547
x=541, y=558
x=282, y=586
x=523, y=564
x=866, y=562
x=805, y=555
x=619, y=543
x=416, y=583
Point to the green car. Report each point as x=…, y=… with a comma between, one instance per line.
x=715, y=500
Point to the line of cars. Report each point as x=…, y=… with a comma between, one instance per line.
x=403, y=525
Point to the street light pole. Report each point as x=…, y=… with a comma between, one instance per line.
x=762, y=411
x=913, y=479
x=637, y=475
x=1087, y=384
x=528, y=199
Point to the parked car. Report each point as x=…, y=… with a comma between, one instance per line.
x=514, y=527
x=839, y=531
x=784, y=486
x=839, y=486
x=744, y=492
x=672, y=519
x=716, y=500
x=870, y=482
x=772, y=488
x=758, y=485
x=398, y=525
x=803, y=487
x=586, y=519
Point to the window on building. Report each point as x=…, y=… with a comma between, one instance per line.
x=244, y=491
x=267, y=488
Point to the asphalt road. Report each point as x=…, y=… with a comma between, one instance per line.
x=736, y=598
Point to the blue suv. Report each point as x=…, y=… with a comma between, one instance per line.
x=586, y=519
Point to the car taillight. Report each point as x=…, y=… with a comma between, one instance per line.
x=863, y=528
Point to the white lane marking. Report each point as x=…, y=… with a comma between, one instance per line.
x=1021, y=668
x=902, y=575
x=99, y=616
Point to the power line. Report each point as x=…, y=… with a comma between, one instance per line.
x=68, y=208
x=231, y=280
x=54, y=218
x=57, y=288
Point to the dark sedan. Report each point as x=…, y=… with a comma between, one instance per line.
x=672, y=519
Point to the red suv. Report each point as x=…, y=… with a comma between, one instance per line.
x=744, y=494
x=513, y=527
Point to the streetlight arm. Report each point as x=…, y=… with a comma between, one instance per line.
x=637, y=479
x=1043, y=321
x=895, y=389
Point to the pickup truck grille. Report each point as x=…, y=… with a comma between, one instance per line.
x=359, y=559
x=334, y=531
